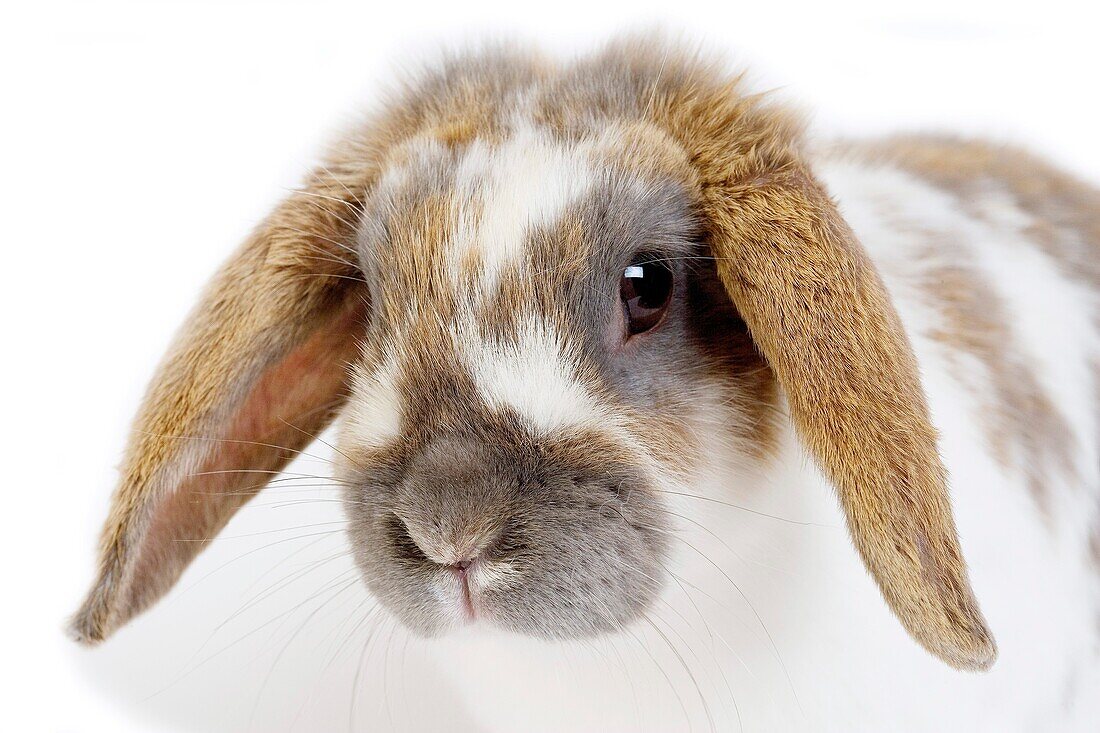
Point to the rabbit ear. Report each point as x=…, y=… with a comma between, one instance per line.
x=820, y=315
x=256, y=371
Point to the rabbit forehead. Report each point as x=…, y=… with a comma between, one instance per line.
x=481, y=198
x=504, y=192
x=470, y=229
x=445, y=210
x=501, y=259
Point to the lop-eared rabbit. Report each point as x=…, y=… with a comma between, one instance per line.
x=583, y=323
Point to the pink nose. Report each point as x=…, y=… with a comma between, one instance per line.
x=462, y=566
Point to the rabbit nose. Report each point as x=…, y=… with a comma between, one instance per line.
x=444, y=544
x=461, y=566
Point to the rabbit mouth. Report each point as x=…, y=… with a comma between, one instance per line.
x=472, y=589
x=469, y=610
x=561, y=567
x=451, y=602
x=469, y=578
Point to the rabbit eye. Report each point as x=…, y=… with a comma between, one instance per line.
x=645, y=290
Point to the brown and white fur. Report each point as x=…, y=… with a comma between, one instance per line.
x=909, y=326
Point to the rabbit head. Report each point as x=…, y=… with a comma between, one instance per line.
x=526, y=289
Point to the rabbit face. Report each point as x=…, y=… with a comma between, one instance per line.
x=521, y=403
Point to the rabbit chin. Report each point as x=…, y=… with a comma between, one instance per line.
x=482, y=604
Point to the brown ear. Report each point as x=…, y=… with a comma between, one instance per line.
x=257, y=369
x=820, y=315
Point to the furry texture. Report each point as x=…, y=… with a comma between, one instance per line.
x=509, y=452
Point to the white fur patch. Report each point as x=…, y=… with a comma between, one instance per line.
x=897, y=216
x=535, y=376
x=373, y=417
x=525, y=183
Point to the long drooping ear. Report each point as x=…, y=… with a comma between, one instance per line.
x=257, y=369
x=820, y=315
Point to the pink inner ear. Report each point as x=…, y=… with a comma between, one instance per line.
x=291, y=403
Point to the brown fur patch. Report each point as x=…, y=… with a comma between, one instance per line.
x=647, y=151
x=1024, y=426
x=1066, y=211
x=1094, y=541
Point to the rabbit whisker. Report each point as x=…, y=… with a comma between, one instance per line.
x=242, y=442
x=756, y=614
x=649, y=619
x=664, y=673
x=313, y=195
x=743, y=509
x=355, y=198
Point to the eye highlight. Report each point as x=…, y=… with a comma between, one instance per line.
x=645, y=291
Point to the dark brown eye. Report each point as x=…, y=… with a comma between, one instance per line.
x=645, y=290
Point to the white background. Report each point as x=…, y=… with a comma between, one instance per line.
x=141, y=141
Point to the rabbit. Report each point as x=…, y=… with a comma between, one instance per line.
x=586, y=327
